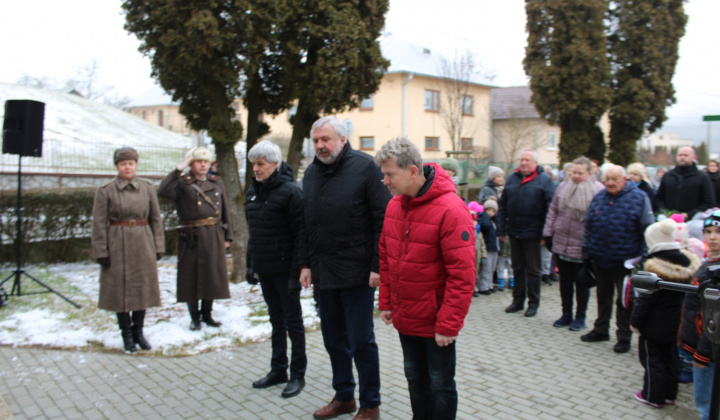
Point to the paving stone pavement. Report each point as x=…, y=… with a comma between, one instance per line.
x=509, y=367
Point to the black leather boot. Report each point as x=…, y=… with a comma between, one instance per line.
x=195, y=324
x=138, y=320
x=126, y=332
x=207, y=313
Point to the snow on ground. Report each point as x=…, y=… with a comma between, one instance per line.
x=244, y=316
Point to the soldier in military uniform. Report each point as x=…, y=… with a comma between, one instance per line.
x=127, y=239
x=204, y=233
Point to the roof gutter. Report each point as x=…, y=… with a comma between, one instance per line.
x=404, y=105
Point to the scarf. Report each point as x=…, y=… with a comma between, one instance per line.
x=576, y=199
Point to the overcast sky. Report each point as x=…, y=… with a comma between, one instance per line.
x=54, y=39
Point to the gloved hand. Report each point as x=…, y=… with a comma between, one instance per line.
x=483, y=261
x=250, y=276
x=104, y=261
x=548, y=242
x=159, y=255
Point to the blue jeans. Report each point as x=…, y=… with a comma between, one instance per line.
x=703, y=382
x=346, y=321
x=430, y=372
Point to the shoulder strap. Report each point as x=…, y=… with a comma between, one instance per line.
x=205, y=197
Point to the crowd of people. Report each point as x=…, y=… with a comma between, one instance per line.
x=397, y=224
x=600, y=226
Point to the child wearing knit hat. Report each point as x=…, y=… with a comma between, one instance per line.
x=656, y=317
x=486, y=221
x=693, y=337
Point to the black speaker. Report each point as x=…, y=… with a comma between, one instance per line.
x=23, y=127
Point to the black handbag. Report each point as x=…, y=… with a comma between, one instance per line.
x=586, y=276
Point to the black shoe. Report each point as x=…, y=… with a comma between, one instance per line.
x=514, y=307
x=593, y=337
x=486, y=293
x=195, y=325
x=208, y=319
x=531, y=311
x=546, y=279
x=273, y=378
x=293, y=388
x=476, y=294
x=140, y=339
x=622, y=346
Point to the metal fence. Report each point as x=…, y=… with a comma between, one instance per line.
x=92, y=157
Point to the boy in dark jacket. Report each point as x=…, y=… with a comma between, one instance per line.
x=486, y=221
x=656, y=317
x=693, y=338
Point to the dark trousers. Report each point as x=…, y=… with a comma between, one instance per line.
x=286, y=320
x=346, y=321
x=609, y=282
x=526, y=267
x=661, y=370
x=568, y=287
x=430, y=372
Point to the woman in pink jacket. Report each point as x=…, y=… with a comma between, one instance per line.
x=563, y=233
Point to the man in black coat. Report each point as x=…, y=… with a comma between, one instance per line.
x=344, y=202
x=521, y=215
x=274, y=213
x=685, y=188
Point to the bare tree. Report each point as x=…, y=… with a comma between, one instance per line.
x=456, y=108
x=514, y=135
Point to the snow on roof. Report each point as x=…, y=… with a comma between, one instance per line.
x=152, y=97
x=512, y=102
x=407, y=57
x=70, y=117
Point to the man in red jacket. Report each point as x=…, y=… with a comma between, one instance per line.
x=427, y=274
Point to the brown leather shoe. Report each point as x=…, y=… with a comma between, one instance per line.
x=335, y=408
x=367, y=413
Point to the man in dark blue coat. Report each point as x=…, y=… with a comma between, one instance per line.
x=521, y=216
x=614, y=229
x=274, y=213
x=344, y=202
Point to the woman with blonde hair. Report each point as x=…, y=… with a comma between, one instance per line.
x=637, y=173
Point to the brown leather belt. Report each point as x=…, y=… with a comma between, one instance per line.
x=210, y=221
x=128, y=223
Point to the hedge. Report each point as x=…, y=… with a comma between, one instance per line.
x=56, y=225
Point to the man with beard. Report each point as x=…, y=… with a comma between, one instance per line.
x=685, y=189
x=344, y=201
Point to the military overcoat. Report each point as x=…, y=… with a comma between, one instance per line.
x=202, y=267
x=130, y=282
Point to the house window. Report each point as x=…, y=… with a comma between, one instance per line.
x=432, y=143
x=160, y=117
x=552, y=140
x=432, y=100
x=367, y=103
x=467, y=105
x=367, y=143
x=466, y=143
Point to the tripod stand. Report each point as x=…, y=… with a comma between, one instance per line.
x=19, y=272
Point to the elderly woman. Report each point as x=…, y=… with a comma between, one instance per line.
x=638, y=174
x=127, y=239
x=495, y=180
x=274, y=213
x=564, y=228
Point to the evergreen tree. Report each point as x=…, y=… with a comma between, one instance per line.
x=702, y=153
x=569, y=71
x=331, y=51
x=644, y=51
x=195, y=48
